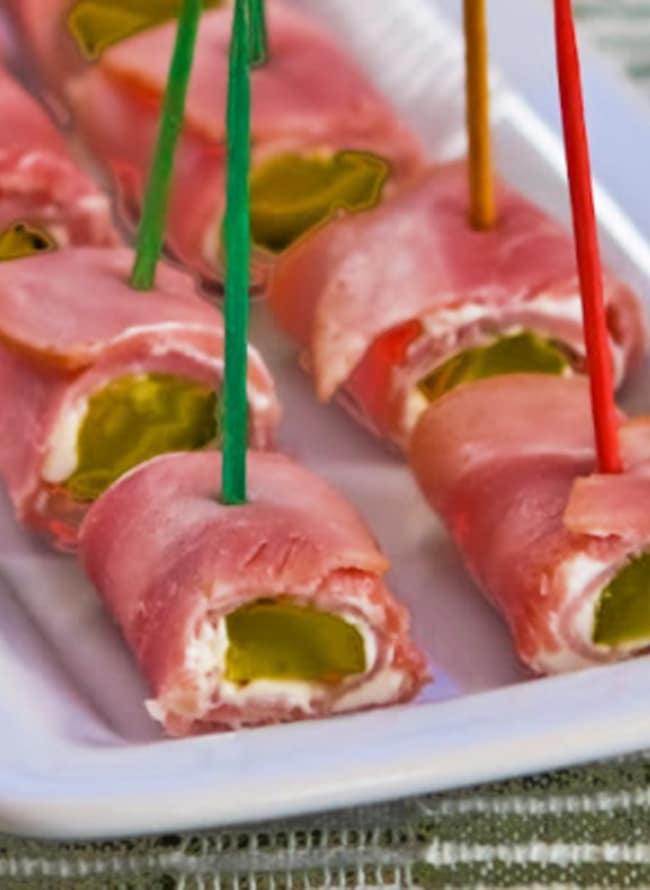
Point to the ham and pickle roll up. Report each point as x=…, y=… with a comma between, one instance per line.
x=65, y=36
x=45, y=200
x=396, y=306
x=246, y=615
x=323, y=140
x=96, y=377
x=561, y=551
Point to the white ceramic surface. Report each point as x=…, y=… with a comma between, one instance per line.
x=78, y=754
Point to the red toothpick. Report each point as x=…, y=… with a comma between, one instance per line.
x=576, y=146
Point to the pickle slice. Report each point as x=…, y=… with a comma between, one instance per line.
x=22, y=240
x=135, y=418
x=292, y=193
x=97, y=25
x=274, y=639
x=623, y=612
x=525, y=352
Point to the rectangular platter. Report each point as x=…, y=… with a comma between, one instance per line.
x=79, y=757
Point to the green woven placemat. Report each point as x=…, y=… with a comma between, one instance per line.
x=587, y=827
x=621, y=28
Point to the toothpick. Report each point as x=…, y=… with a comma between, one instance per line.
x=586, y=241
x=258, y=32
x=481, y=180
x=237, y=253
x=151, y=232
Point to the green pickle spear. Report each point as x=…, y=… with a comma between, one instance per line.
x=276, y=639
x=623, y=612
x=525, y=352
x=135, y=418
x=292, y=193
x=22, y=240
x=97, y=25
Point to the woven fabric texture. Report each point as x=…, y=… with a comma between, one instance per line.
x=586, y=827
x=621, y=28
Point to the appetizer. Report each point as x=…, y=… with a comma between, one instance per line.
x=395, y=307
x=562, y=551
x=45, y=200
x=64, y=36
x=96, y=378
x=323, y=140
x=245, y=615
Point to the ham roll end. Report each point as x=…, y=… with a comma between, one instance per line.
x=562, y=551
x=248, y=615
x=394, y=307
x=45, y=199
x=324, y=141
x=96, y=377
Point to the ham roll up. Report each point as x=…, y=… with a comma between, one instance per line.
x=246, y=615
x=65, y=36
x=394, y=307
x=96, y=377
x=561, y=551
x=45, y=200
x=323, y=140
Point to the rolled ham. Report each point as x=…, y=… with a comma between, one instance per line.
x=70, y=325
x=41, y=26
x=40, y=183
x=44, y=28
x=172, y=562
x=508, y=463
x=309, y=98
x=379, y=300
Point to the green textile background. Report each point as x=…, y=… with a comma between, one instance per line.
x=586, y=827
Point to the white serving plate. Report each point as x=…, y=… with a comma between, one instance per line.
x=79, y=757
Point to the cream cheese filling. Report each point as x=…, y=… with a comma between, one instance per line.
x=123, y=422
x=416, y=402
x=60, y=234
x=206, y=660
x=443, y=322
x=440, y=322
x=381, y=689
x=576, y=575
x=62, y=459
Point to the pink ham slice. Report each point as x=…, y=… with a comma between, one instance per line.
x=40, y=183
x=413, y=273
x=170, y=561
x=70, y=324
x=41, y=25
x=508, y=463
x=309, y=97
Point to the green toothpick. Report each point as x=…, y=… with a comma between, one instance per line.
x=258, y=33
x=237, y=253
x=151, y=233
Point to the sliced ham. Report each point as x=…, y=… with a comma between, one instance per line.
x=171, y=562
x=71, y=324
x=40, y=183
x=508, y=463
x=68, y=306
x=44, y=29
x=41, y=25
x=309, y=98
x=379, y=300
